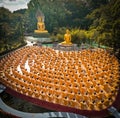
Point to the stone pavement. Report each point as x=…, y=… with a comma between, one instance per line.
x=15, y=112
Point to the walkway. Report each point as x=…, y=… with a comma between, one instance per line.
x=12, y=111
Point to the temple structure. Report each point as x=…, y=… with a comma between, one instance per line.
x=40, y=24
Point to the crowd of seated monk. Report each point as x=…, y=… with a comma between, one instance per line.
x=87, y=79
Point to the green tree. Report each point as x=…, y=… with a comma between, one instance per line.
x=96, y=4
x=59, y=13
x=11, y=30
x=106, y=22
x=53, y=10
x=4, y=23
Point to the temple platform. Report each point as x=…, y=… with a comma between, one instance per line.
x=41, y=34
x=38, y=31
x=66, y=47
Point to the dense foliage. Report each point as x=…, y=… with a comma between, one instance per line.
x=59, y=13
x=11, y=34
x=89, y=21
x=104, y=28
x=106, y=23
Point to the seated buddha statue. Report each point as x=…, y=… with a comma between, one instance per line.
x=67, y=38
x=40, y=25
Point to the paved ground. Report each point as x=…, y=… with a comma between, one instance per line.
x=25, y=109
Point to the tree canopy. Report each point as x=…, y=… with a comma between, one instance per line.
x=10, y=29
x=89, y=20
x=106, y=21
x=59, y=13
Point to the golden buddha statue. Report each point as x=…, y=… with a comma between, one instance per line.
x=40, y=23
x=67, y=38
